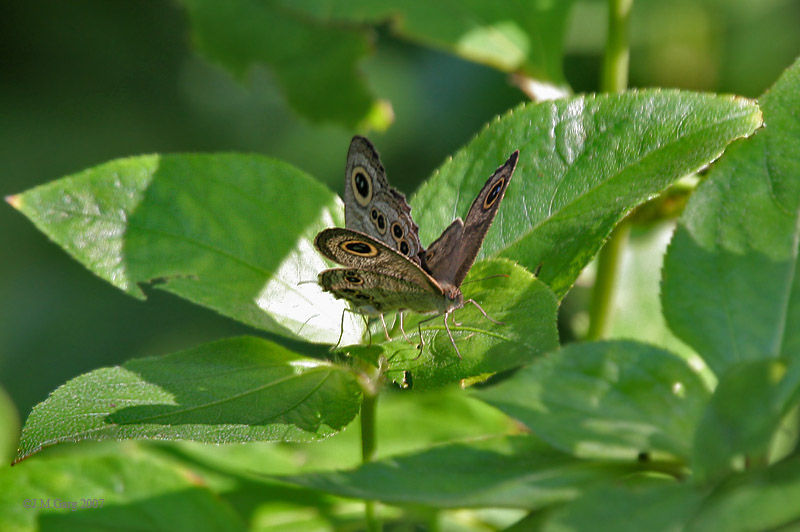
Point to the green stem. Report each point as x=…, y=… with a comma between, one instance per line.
x=615, y=62
x=615, y=79
x=605, y=283
x=368, y=427
x=368, y=446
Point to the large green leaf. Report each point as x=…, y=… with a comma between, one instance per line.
x=731, y=286
x=584, y=163
x=763, y=499
x=611, y=399
x=138, y=492
x=635, y=505
x=406, y=421
x=758, y=500
x=507, y=293
x=524, y=36
x=510, y=472
x=637, y=313
x=230, y=232
x=235, y=390
x=314, y=64
x=745, y=411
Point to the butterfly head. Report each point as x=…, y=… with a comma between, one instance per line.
x=453, y=296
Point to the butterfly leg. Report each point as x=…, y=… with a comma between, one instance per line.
x=366, y=326
x=421, y=339
x=385, y=330
x=341, y=332
x=483, y=312
x=452, y=340
x=402, y=330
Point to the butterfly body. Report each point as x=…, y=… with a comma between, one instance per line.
x=385, y=267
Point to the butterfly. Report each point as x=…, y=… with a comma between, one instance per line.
x=385, y=267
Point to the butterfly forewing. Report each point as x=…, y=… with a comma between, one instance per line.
x=450, y=257
x=372, y=206
x=362, y=252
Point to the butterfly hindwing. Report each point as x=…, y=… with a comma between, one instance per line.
x=372, y=206
x=441, y=257
x=372, y=293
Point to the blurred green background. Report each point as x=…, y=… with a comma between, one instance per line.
x=87, y=81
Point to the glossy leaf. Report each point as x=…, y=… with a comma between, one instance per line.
x=406, y=421
x=9, y=427
x=235, y=390
x=763, y=499
x=313, y=63
x=757, y=500
x=138, y=492
x=731, y=285
x=508, y=294
x=512, y=472
x=745, y=411
x=637, y=314
x=522, y=36
x=584, y=163
x=215, y=229
x=610, y=399
x=654, y=504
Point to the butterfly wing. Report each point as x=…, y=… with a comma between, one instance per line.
x=359, y=251
x=449, y=257
x=372, y=206
x=373, y=293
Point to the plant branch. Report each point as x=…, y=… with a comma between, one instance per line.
x=615, y=79
x=371, y=388
x=615, y=62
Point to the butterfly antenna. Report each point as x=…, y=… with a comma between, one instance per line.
x=483, y=312
x=306, y=282
x=484, y=278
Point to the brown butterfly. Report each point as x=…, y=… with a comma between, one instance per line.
x=378, y=278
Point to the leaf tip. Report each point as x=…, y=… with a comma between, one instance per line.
x=14, y=200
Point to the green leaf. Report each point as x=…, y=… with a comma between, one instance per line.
x=215, y=229
x=745, y=411
x=314, y=64
x=234, y=390
x=611, y=399
x=731, y=286
x=759, y=500
x=407, y=421
x=525, y=306
x=646, y=504
x=138, y=492
x=524, y=36
x=584, y=163
x=509, y=472
x=637, y=313
x=9, y=426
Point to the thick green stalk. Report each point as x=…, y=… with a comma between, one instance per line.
x=605, y=283
x=368, y=433
x=615, y=62
x=615, y=79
